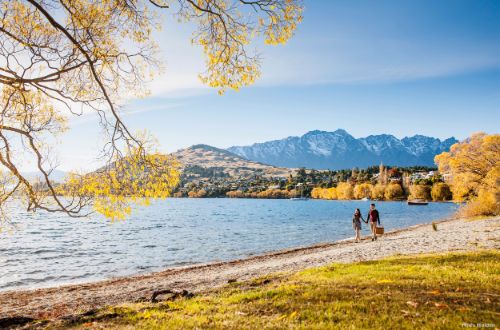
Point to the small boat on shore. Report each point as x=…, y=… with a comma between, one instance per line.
x=417, y=202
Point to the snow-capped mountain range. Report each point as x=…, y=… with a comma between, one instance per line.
x=340, y=150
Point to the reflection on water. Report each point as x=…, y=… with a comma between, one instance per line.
x=50, y=249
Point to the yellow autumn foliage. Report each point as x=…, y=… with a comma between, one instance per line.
x=268, y=193
x=420, y=191
x=363, y=190
x=331, y=193
x=324, y=193
x=345, y=191
x=316, y=193
x=441, y=192
x=378, y=191
x=133, y=180
x=393, y=191
x=473, y=171
x=224, y=36
x=67, y=58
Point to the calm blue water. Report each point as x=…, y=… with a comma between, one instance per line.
x=50, y=249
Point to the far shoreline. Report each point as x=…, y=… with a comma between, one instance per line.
x=312, y=199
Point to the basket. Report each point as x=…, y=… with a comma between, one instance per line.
x=379, y=230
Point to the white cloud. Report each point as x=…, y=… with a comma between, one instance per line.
x=322, y=59
x=372, y=61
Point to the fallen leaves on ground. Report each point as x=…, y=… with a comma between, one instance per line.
x=413, y=304
x=440, y=305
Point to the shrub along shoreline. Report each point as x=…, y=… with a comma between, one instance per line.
x=437, y=192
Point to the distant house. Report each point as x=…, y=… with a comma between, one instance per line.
x=422, y=175
x=446, y=177
x=418, y=175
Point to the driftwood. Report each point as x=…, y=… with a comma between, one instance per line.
x=175, y=294
x=14, y=322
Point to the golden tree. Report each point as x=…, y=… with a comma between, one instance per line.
x=473, y=169
x=441, y=192
x=330, y=193
x=316, y=193
x=363, y=190
x=393, y=191
x=324, y=193
x=64, y=58
x=345, y=191
x=420, y=191
x=378, y=191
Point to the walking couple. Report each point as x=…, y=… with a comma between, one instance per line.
x=374, y=219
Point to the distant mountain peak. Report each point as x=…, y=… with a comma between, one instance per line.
x=340, y=131
x=206, y=147
x=203, y=148
x=339, y=149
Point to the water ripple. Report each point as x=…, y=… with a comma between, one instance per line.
x=52, y=249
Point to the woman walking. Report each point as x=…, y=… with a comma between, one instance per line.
x=356, y=224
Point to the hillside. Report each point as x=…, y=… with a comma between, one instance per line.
x=55, y=176
x=203, y=161
x=339, y=149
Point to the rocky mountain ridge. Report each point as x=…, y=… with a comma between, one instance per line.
x=340, y=150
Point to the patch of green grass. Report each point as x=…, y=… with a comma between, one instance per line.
x=429, y=292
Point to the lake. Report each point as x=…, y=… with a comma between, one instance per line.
x=52, y=249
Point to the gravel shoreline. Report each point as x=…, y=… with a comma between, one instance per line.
x=452, y=235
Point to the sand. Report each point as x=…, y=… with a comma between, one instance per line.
x=63, y=301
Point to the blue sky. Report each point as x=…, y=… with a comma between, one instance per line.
x=370, y=67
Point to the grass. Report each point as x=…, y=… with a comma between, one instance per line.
x=423, y=292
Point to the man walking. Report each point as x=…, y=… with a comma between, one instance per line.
x=374, y=219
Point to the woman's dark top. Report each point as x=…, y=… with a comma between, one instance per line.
x=356, y=221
